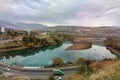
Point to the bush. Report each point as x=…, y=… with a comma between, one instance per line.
x=75, y=77
x=52, y=78
x=80, y=61
x=82, y=69
x=113, y=42
x=57, y=61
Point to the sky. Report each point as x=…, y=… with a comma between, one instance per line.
x=62, y=12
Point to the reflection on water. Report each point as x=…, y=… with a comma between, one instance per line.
x=27, y=52
x=45, y=55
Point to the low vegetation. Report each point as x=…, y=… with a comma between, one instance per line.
x=2, y=77
x=11, y=44
x=29, y=41
x=113, y=42
x=105, y=70
x=65, y=36
x=32, y=41
x=75, y=77
x=58, y=62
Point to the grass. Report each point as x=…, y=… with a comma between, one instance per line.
x=19, y=78
x=110, y=72
x=2, y=77
x=75, y=77
x=107, y=70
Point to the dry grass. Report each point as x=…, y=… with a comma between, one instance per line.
x=101, y=65
x=108, y=73
x=107, y=70
x=37, y=79
x=103, y=74
x=2, y=77
x=19, y=78
x=75, y=77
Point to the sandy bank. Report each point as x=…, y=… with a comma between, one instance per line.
x=80, y=46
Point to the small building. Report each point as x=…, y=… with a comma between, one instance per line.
x=2, y=29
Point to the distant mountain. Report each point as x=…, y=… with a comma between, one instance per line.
x=6, y=24
x=61, y=28
x=30, y=26
x=23, y=26
x=85, y=28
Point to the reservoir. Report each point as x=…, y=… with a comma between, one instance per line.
x=44, y=56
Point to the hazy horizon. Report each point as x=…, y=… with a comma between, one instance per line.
x=90, y=13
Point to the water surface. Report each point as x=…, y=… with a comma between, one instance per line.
x=45, y=55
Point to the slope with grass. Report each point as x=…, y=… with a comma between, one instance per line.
x=106, y=70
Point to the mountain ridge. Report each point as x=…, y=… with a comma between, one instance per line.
x=23, y=26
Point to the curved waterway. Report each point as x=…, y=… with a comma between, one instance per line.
x=44, y=56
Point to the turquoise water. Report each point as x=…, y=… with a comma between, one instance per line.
x=45, y=55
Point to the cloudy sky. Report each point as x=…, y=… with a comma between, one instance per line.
x=62, y=12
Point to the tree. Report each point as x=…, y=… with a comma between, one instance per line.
x=80, y=61
x=83, y=65
x=57, y=61
x=113, y=42
x=12, y=33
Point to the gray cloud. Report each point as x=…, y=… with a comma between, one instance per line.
x=76, y=12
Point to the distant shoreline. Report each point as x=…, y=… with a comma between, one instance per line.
x=12, y=49
x=79, y=46
x=19, y=48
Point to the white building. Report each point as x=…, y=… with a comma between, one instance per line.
x=2, y=29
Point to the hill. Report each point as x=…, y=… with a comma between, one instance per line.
x=61, y=28
x=23, y=26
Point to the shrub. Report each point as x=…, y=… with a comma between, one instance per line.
x=80, y=61
x=82, y=69
x=75, y=77
x=52, y=78
x=57, y=61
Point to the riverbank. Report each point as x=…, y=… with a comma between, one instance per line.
x=113, y=50
x=15, y=45
x=22, y=48
x=13, y=49
x=80, y=46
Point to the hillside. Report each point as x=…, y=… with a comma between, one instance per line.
x=107, y=70
x=61, y=28
x=23, y=26
x=87, y=31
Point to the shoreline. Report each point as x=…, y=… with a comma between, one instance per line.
x=12, y=49
x=80, y=46
x=19, y=48
x=113, y=50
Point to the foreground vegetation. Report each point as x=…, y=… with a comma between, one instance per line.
x=108, y=70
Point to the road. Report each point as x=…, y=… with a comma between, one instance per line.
x=39, y=73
